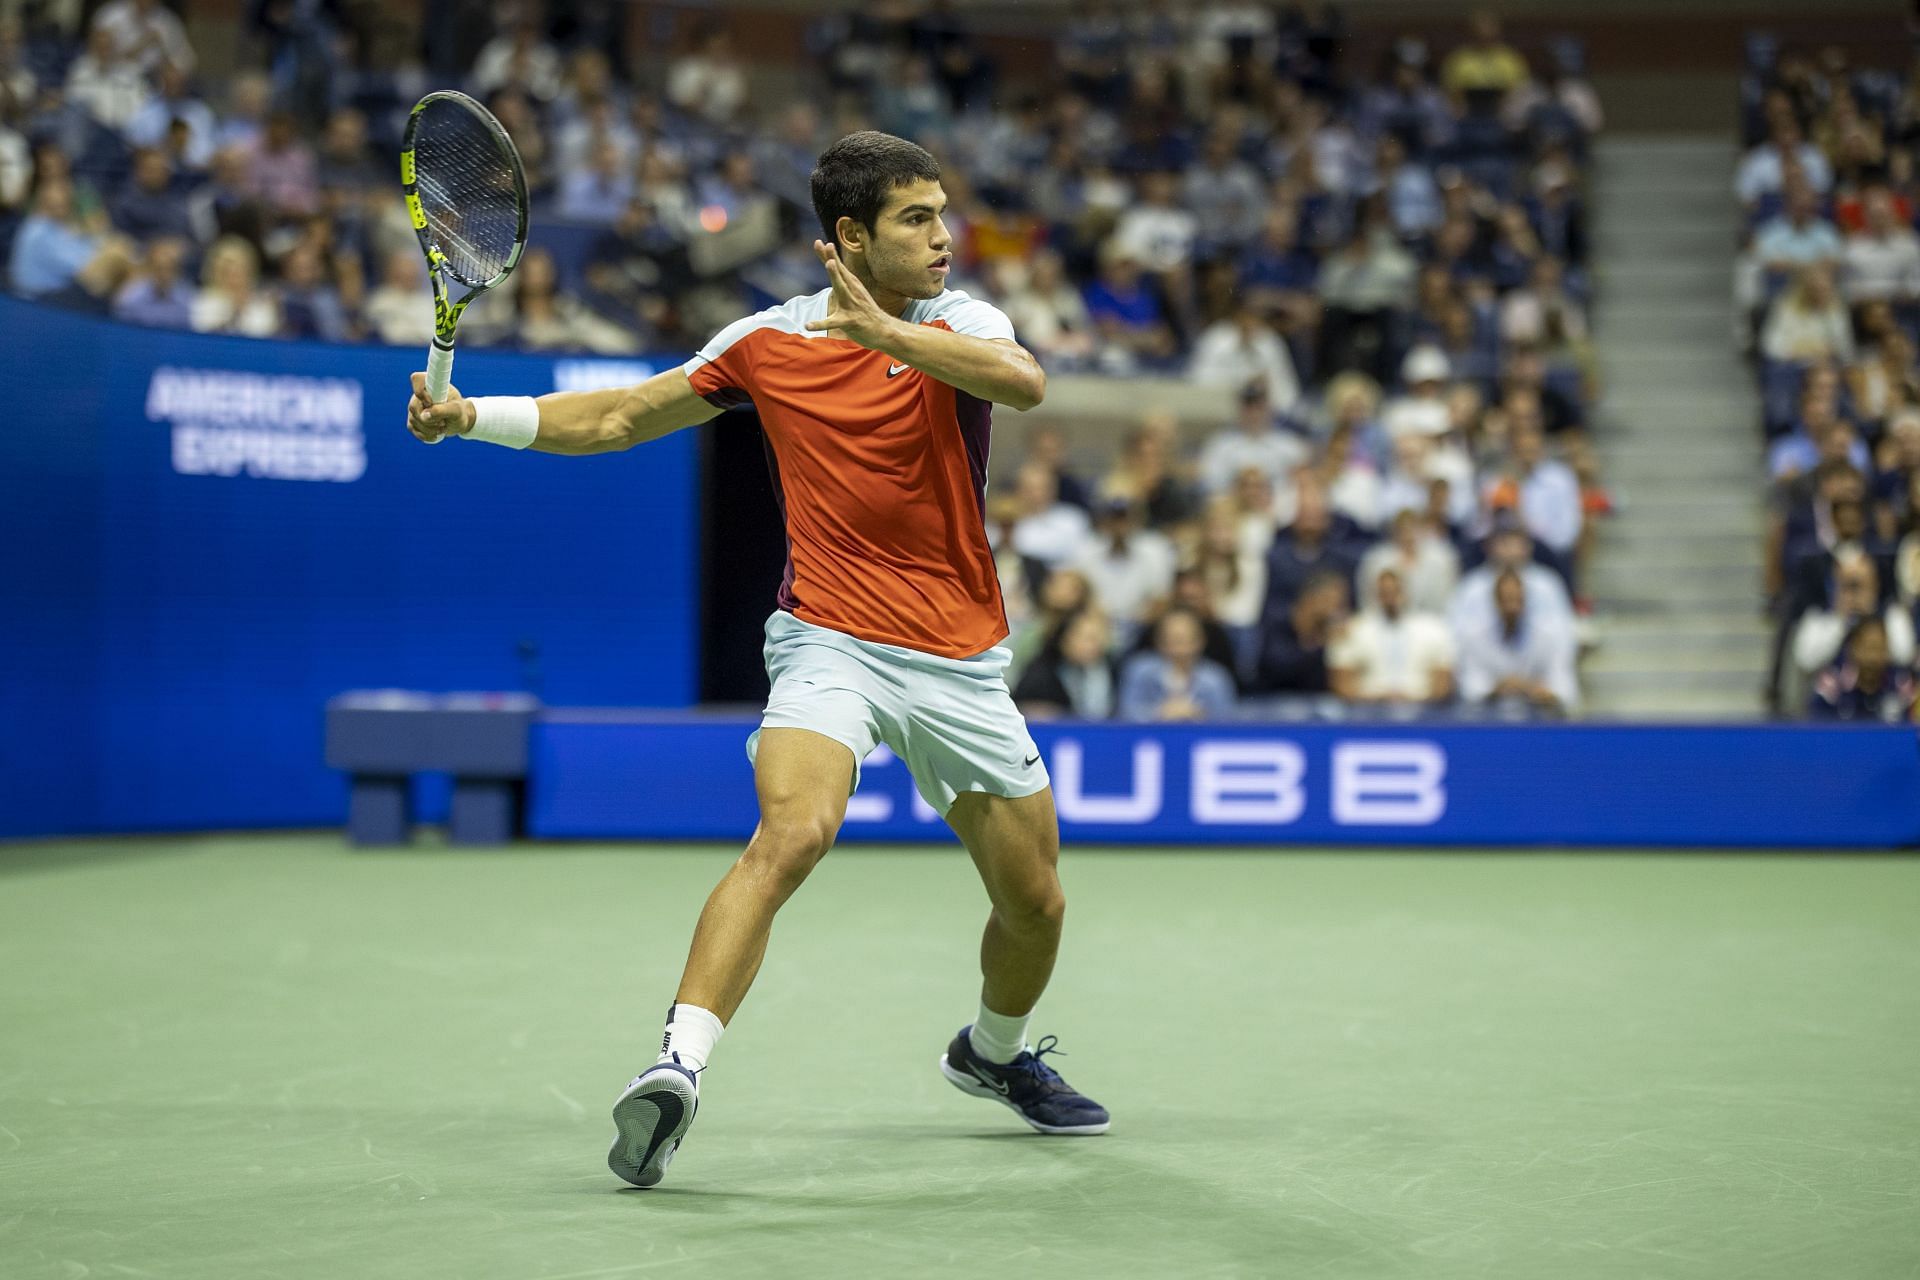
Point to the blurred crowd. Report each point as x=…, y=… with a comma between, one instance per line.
x=1385, y=265
x=1829, y=301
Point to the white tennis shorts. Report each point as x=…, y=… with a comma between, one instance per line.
x=952, y=720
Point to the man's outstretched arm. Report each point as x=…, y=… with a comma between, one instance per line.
x=570, y=422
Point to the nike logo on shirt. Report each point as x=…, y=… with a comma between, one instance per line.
x=898, y=368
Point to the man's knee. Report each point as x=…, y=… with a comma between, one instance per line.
x=1037, y=905
x=785, y=849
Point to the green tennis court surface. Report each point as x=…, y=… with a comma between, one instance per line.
x=273, y=1057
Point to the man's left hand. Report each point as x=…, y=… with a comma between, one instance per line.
x=851, y=312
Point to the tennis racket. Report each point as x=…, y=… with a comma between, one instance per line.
x=467, y=196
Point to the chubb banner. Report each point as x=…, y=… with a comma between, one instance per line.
x=612, y=774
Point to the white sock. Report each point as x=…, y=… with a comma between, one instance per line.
x=997, y=1037
x=691, y=1034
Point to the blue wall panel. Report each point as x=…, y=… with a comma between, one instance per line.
x=174, y=609
x=611, y=774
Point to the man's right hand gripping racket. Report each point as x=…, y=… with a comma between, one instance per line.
x=467, y=196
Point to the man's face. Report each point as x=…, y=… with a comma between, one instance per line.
x=1392, y=593
x=1180, y=638
x=1856, y=588
x=909, y=251
x=1510, y=597
x=1528, y=443
x=1849, y=521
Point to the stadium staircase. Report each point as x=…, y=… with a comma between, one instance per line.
x=1675, y=575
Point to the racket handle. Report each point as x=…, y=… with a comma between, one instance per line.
x=439, y=374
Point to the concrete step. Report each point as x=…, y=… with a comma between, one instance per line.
x=1670, y=707
x=1608, y=580
x=1740, y=684
x=1632, y=652
x=1631, y=539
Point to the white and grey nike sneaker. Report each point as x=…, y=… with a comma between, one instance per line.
x=650, y=1118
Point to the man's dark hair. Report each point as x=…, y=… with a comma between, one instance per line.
x=856, y=174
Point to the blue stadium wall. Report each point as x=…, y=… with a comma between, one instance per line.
x=204, y=538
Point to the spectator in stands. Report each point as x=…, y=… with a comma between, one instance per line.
x=1362, y=285
x=1820, y=433
x=54, y=241
x=400, y=311
x=1049, y=530
x=1822, y=630
x=281, y=169
x=1049, y=314
x=345, y=161
x=1254, y=440
x=1129, y=567
x=248, y=97
x=1544, y=490
x=1242, y=349
x=1392, y=654
x=1059, y=594
x=1316, y=542
x=1235, y=573
x=1485, y=64
x=176, y=119
x=1763, y=170
x=230, y=298
x=1864, y=683
x=1808, y=321
x=108, y=86
x=1175, y=680
x=1295, y=634
x=1509, y=548
x=1882, y=260
x=310, y=306
x=601, y=192
x=1278, y=274
x=1421, y=557
x=158, y=295
x=521, y=57
x=148, y=205
x=1222, y=192
x=146, y=34
x=1799, y=236
x=1520, y=660
x=1413, y=200
x=1149, y=468
x=1129, y=315
x=710, y=81
x=1072, y=674
x=1542, y=313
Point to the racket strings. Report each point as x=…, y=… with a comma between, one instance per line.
x=467, y=192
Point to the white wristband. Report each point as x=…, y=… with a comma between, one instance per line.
x=509, y=420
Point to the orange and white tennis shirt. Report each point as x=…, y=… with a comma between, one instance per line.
x=880, y=471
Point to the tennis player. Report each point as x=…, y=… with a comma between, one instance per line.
x=875, y=394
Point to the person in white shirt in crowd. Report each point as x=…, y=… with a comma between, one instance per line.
x=1420, y=556
x=1798, y=236
x=519, y=56
x=1532, y=315
x=710, y=81
x=1233, y=566
x=1175, y=680
x=231, y=299
x=1155, y=231
x=1441, y=454
x=1519, y=659
x=1856, y=596
x=1424, y=372
x=1242, y=348
x=1226, y=196
x=1883, y=261
x=1048, y=530
x=145, y=33
x=1130, y=567
x=1049, y=314
x=176, y=102
x=1763, y=170
x=1390, y=653
x=1253, y=441
x=1808, y=321
x=1260, y=510
x=110, y=88
x=1509, y=548
x=400, y=310
x=1548, y=493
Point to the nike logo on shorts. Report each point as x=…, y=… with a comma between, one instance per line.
x=893, y=369
x=1029, y=762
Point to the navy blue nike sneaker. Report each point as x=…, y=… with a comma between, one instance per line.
x=651, y=1117
x=1026, y=1084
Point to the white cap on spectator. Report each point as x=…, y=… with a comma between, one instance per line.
x=1417, y=418
x=1425, y=364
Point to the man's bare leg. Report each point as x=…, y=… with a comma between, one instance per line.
x=802, y=779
